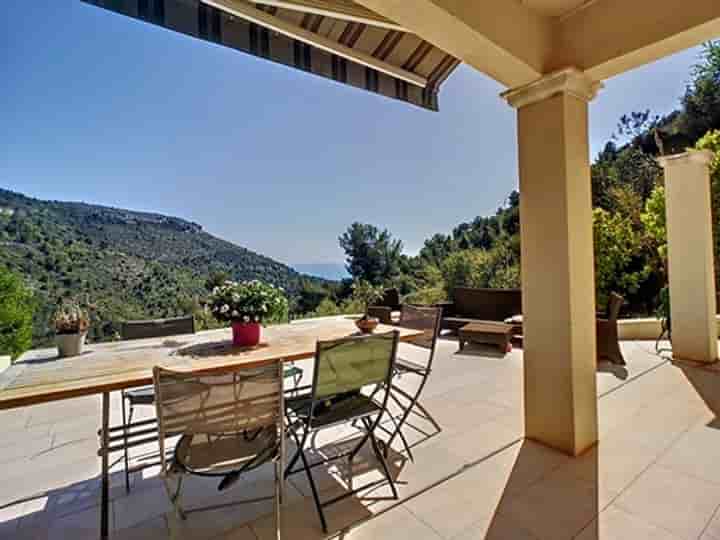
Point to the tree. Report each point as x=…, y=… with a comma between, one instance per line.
x=654, y=220
x=466, y=268
x=438, y=247
x=16, y=312
x=616, y=243
x=635, y=125
x=371, y=255
x=702, y=97
x=711, y=141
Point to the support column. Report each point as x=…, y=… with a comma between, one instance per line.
x=690, y=256
x=558, y=281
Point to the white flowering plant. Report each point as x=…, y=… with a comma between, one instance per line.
x=247, y=301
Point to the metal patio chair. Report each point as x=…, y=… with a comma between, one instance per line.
x=428, y=320
x=145, y=396
x=229, y=422
x=343, y=368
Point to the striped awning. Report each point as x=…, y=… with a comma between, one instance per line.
x=337, y=39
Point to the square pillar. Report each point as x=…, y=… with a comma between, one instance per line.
x=690, y=256
x=558, y=281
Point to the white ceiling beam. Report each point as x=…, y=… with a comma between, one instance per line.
x=337, y=9
x=608, y=37
x=501, y=38
x=249, y=13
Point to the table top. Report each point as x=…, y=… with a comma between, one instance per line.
x=40, y=376
x=486, y=328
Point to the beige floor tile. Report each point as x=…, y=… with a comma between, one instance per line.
x=612, y=464
x=153, y=529
x=22, y=434
x=480, y=491
x=26, y=481
x=398, y=524
x=695, y=453
x=671, y=500
x=241, y=533
x=479, y=442
x=10, y=518
x=80, y=525
x=300, y=521
x=24, y=449
x=432, y=463
x=616, y=524
x=140, y=506
x=14, y=419
x=462, y=483
x=454, y=506
x=557, y=506
x=712, y=531
x=656, y=426
x=496, y=527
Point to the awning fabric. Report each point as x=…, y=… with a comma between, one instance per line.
x=392, y=47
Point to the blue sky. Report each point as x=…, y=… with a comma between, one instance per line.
x=105, y=109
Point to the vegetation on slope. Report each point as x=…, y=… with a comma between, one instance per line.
x=126, y=265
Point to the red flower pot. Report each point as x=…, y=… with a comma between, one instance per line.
x=245, y=334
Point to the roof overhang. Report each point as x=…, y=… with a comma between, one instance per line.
x=336, y=39
x=518, y=41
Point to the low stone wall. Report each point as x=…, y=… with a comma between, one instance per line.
x=641, y=329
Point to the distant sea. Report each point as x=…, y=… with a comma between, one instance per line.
x=333, y=271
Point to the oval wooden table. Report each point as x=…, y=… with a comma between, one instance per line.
x=40, y=376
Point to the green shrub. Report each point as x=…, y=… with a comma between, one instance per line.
x=426, y=296
x=16, y=311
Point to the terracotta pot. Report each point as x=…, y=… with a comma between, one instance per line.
x=70, y=344
x=246, y=334
x=367, y=324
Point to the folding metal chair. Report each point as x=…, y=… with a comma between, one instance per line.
x=145, y=396
x=343, y=368
x=427, y=319
x=228, y=422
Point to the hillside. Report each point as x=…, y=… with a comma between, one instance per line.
x=130, y=265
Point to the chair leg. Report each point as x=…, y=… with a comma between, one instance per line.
x=380, y=457
x=398, y=427
x=357, y=448
x=278, y=497
x=413, y=402
x=174, y=496
x=313, y=487
x=398, y=431
x=298, y=451
x=125, y=449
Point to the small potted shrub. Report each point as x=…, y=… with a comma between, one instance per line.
x=367, y=294
x=246, y=305
x=71, y=326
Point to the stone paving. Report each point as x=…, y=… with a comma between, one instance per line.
x=654, y=473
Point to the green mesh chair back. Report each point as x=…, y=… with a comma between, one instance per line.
x=349, y=364
x=227, y=420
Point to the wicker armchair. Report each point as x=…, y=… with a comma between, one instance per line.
x=608, y=346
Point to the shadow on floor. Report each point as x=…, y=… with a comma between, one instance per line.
x=706, y=382
x=145, y=512
x=562, y=503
